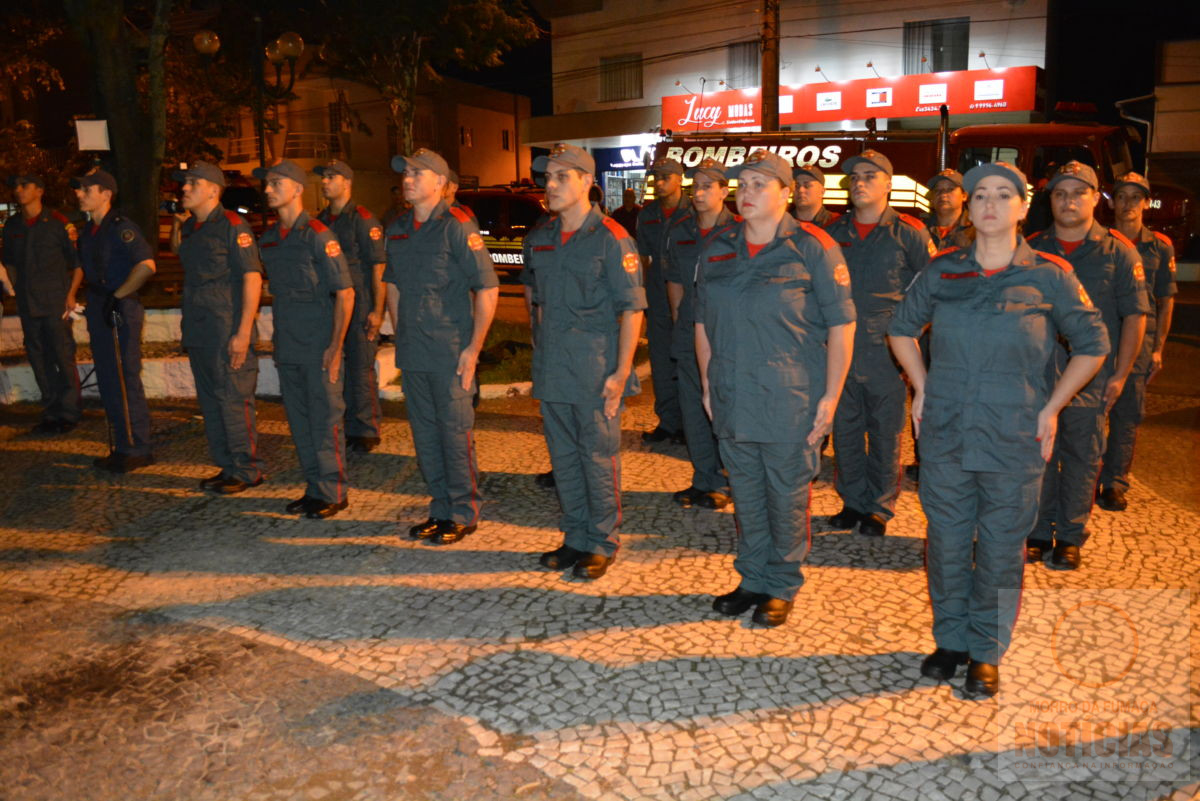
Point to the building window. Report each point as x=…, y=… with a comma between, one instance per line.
x=505, y=141
x=466, y=136
x=745, y=65
x=337, y=121
x=942, y=42
x=621, y=78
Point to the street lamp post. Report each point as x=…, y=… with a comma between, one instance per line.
x=287, y=48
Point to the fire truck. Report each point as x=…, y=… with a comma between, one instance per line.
x=1038, y=149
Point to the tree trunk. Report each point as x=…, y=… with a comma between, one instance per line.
x=136, y=125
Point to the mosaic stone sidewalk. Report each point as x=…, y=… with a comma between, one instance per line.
x=163, y=643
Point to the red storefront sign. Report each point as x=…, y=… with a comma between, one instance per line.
x=713, y=111
x=964, y=92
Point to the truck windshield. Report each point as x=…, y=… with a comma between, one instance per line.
x=1118, y=153
x=1047, y=160
x=974, y=156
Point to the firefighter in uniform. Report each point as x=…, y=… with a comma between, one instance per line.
x=222, y=285
x=884, y=251
x=1131, y=198
x=1108, y=267
x=810, y=196
x=313, y=299
x=117, y=260
x=586, y=282
x=948, y=223
x=690, y=231
x=774, y=333
x=361, y=238
x=448, y=295
x=543, y=480
x=43, y=263
x=986, y=416
x=654, y=220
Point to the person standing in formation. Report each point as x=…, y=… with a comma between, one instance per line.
x=654, y=221
x=1131, y=198
x=222, y=285
x=360, y=237
x=313, y=299
x=774, y=334
x=810, y=197
x=884, y=251
x=448, y=295
x=949, y=223
x=1108, y=267
x=586, y=287
x=39, y=251
x=690, y=232
x=986, y=415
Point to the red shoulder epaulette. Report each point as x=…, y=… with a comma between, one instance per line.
x=913, y=221
x=615, y=228
x=1166, y=240
x=737, y=218
x=233, y=217
x=833, y=219
x=1062, y=263
x=62, y=218
x=317, y=225
x=459, y=214
x=945, y=252
x=825, y=239
x=1120, y=237
x=363, y=212
x=1032, y=237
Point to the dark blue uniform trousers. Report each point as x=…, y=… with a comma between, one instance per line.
x=133, y=440
x=50, y=347
x=314, y=409
x=442, y=419
x=975, y=553
x=226, y=398
x=1069, y=487
x=1123, y=421
x=585, y=450
x=701, y=444
x=658, y=337
x=362, y=383
x=866, y=434
x=772, y=485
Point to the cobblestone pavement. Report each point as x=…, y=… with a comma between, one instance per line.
x=160, y=643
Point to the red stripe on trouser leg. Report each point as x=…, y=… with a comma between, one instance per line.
x=337, y=454
x=474, y=482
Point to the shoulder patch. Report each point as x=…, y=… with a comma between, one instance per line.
x=376, y=233
x=945, y=252
x=1120, y=237
x=630, y=262
x=459, y=214
x=333, y=249
x=233, y=217
x=911, y=220
x=244, y=239
x=841, y=274
x=1059, y=261
x=615, y=228
x=127, y=235
x=363, y=212
x=1166, y=240
x=817, y=231
x=474, y=241
x=317, y=225
x=73, y=234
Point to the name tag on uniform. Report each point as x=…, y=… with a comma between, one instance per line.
x=398, y=236
x=686, y=242
x=542, y=248
x=952, y=276
x=723, y=257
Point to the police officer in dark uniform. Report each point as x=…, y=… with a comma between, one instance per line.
x=949, y=224
x=586, y=281
x=222, y=285
x=691, y=229
x=43, y=263
x=1108, y=267
x=1131, y=198
x=448, y=296
x=810, y=196
x=774, y=333
x=654, y=220
x=361, y=238
x=884, y=251
x=117, y=260
x=313, y=301
x=986, y=416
